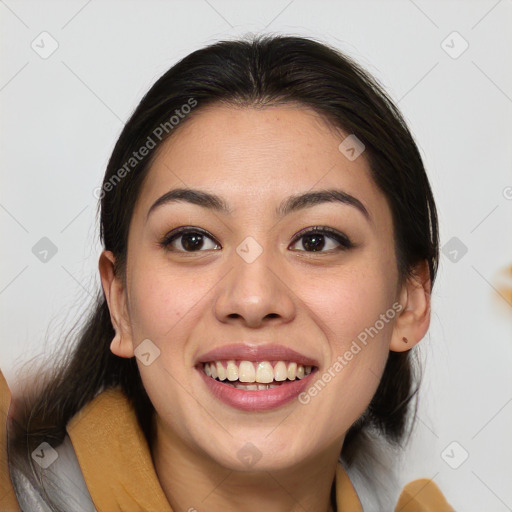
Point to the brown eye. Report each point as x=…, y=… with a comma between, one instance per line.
x=317, y=238
x=188, y=240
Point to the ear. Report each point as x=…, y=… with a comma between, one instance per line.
x=413, y=320
x=113, y=287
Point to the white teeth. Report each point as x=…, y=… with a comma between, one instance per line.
x=265, y=372
x=292, y=371
x=246, y=372
x=252, y=387
x=280, y=371
x=221, y=371
x=232, y=371
x=260, y=372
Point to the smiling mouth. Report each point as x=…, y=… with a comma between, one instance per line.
x=255, y=375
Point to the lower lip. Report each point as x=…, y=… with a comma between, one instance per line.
x=256, y=400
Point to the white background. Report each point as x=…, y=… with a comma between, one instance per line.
x=61, y=116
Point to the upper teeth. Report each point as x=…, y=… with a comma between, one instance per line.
x=262, y=371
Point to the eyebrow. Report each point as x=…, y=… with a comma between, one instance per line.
x=289, y=205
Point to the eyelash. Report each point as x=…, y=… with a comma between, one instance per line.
x=343, y=240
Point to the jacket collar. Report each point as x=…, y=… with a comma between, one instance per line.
x=107, y=439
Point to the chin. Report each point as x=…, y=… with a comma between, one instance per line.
x=256, y=453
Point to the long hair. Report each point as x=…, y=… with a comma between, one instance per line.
x=253, y=72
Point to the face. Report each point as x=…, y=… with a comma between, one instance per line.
x=309, y=277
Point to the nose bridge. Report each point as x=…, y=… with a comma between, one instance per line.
x=254, y=289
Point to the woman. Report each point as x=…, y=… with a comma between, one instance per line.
x=270, y=243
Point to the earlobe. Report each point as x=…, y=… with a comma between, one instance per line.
x=414, y=319
x=120, y=347
x=113, y=288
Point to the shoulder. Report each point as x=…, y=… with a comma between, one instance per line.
x=8, y=500
x=422, y=495
x=63, y=482
x=60, y=473
x=379, y=488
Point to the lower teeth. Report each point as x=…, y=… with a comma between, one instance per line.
x=255, y=386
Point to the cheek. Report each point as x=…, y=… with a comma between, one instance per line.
x=356, y=314
x=350, y=304
x=165, y=307
x=163, y=304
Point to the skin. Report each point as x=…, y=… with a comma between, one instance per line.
x=314, y=302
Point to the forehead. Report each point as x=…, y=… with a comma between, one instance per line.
x=258, y=153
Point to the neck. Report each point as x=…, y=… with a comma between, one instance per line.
x=305, y=486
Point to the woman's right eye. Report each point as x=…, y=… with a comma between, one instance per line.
x=190, y=240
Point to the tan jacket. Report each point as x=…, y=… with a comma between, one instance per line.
x=107, y=439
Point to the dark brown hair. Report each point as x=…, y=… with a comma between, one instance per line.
x=260, y=71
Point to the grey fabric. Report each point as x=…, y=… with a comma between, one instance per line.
x=63, y=483
x=373, y=473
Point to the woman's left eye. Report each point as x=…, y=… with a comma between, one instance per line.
x=314, y=240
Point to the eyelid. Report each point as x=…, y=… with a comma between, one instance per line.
x=340, y=237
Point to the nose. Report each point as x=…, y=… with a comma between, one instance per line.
x=254, y=292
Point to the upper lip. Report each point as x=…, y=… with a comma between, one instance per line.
x=244, y=352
